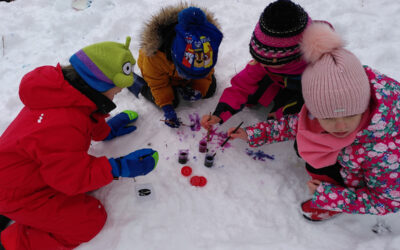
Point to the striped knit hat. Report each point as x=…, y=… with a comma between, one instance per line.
x=334, y=84
x=276, y=37
x=105, y=65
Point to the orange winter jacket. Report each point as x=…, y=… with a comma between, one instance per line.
x=160, y=74
x=157, y=68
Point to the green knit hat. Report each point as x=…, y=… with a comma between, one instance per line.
x=105, y=65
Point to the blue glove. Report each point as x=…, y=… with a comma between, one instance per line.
x=170, y=116
x=189, y=94
x=140, y=162
x=119, y=124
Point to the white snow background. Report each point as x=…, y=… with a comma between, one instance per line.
x=247, y=204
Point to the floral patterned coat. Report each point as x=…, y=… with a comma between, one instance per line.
x=370, y=165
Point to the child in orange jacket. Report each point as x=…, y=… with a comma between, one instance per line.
x=178, y=53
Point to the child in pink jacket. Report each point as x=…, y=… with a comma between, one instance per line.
x=275, y=72
x=347, y=131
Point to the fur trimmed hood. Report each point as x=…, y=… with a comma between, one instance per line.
x=155, y=31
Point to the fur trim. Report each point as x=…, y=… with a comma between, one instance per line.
x=151, y=40
x=319, y=38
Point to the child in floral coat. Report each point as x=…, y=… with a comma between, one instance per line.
x=347, y=131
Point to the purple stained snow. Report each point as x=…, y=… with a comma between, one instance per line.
x=194, y=122
x=259, y=155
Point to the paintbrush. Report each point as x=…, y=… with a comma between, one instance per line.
x=208, y=131
x=229, y=137
x=180, y=123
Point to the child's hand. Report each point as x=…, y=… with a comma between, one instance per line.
x=240, y=133
x=139, y=162
x=121, y=124
x=208, y=121
x=171, y=118
x=313, y=185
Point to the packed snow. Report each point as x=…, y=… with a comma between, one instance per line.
x=252, y=197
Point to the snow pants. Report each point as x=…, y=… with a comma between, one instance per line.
x=146, y=92
x=329, y=174
x=59, y=222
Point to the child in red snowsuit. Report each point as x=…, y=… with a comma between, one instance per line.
x=45, y=168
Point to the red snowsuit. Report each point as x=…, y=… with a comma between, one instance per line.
x=45, y=168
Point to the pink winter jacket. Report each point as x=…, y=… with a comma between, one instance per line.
x=246, y=84
x=370, y=165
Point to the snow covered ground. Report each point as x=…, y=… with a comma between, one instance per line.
x=247, y=203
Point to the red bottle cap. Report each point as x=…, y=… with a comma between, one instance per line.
x=186, y=171
x=202, y=181
x=198, y=181
x=195, y=180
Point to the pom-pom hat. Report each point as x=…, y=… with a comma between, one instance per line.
x=194, y=49
x=276, y=37
x=105, y=65
x=334, y=84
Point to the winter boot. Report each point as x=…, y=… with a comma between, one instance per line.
x=316, y=214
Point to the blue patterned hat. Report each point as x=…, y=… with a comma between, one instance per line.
x=195, y=47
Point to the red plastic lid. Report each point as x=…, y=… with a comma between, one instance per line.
x=198, y=181
x=186, y=171
x=195, y=181
x=203, y=181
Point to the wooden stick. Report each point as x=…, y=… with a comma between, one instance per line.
x=227, y=139
x=2, y=40
x=208, y=131
x=180, y=123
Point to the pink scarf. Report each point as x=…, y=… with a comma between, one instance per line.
x=321, y=149
x=295, y=67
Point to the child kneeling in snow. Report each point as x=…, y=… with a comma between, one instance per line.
x=347, y=131
x=178, y=53
x=274, y=74
x=45, y=168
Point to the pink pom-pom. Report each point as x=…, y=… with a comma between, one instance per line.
x=319, y=38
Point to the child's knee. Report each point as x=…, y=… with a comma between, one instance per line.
x=85, y=221
x=94, y=223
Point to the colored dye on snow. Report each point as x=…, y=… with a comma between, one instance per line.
x=194, y=122
x=219, y=137
x=259, y=155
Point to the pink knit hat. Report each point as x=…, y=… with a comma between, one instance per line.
x=334, y=84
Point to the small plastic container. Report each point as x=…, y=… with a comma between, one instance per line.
x=209, y=160
x=203, y=146
x=183, y=156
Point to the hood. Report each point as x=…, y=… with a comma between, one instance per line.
x=384, y=108
x=45, y=87
x=155, y=31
